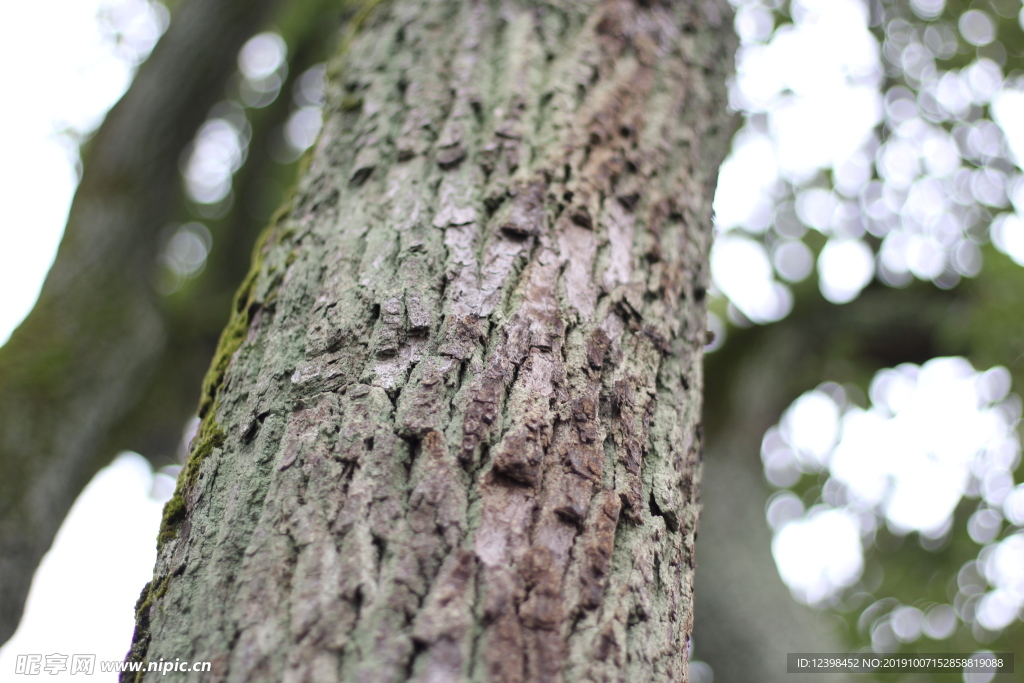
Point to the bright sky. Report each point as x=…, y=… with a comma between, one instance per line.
x=809, y=115
x=84, y=593
x=64, y=77
x=75, y=58
x=61, y=76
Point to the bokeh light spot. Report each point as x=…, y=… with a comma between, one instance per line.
x=262, y=55
x=977, y=27
x=845, y=267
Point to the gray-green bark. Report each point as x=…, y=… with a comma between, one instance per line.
x=452, y=431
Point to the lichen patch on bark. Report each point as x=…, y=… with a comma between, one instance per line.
x=461, y=428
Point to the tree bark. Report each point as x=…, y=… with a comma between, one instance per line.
x=452, y=431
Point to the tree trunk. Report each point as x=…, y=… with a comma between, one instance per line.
x=453, y=428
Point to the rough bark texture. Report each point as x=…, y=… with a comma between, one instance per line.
x=452, y=431
x=80, y=361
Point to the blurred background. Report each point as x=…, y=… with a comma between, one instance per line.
x=862, y=483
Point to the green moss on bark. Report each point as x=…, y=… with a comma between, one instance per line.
x=210, y=435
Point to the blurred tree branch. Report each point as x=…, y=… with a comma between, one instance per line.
x=74, y=369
